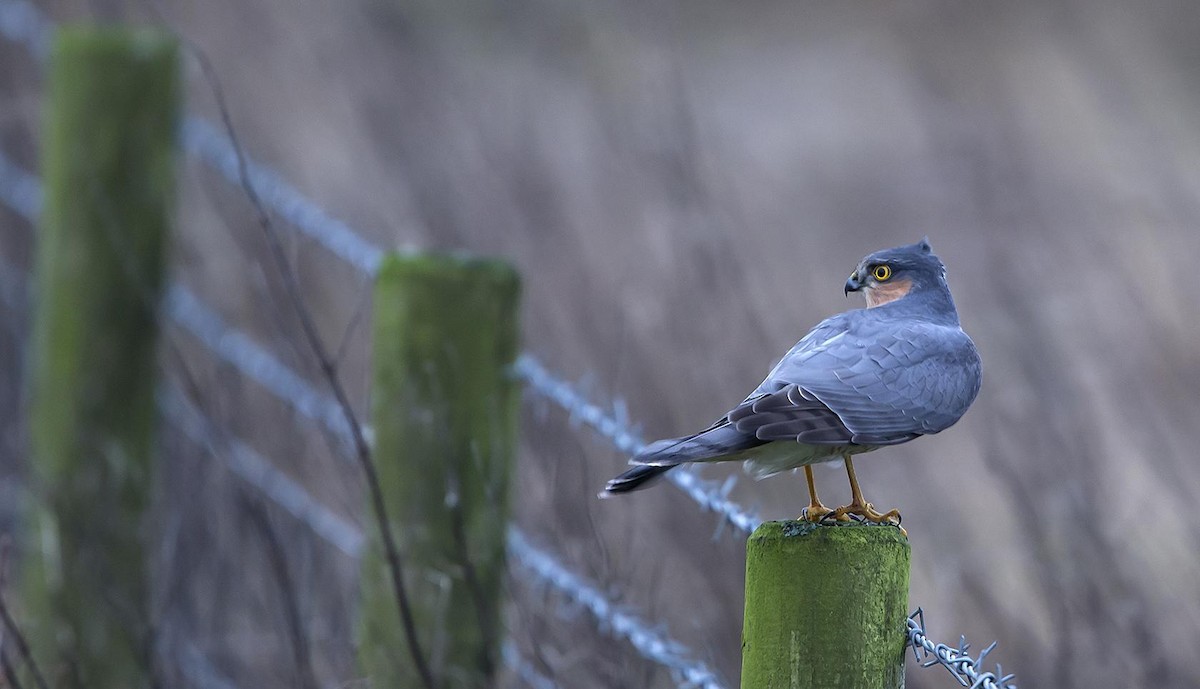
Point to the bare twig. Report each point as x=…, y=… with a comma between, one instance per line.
x=355, y=319
x=10, y=673
x=10, y=625
x=487, y=626
x=329, y=371
x=287, y=591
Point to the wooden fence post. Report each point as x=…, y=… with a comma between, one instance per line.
x=444, y=407
x=825, y=607
x=108, y=164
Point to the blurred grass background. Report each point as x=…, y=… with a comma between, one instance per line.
x=684, y=187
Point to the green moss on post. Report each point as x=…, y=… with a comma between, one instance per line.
x=108, y=163
x=444, y=407
x=825, y=607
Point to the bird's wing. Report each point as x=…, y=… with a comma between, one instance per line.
x=789, y=413
x=726, y=437
x=867, y=383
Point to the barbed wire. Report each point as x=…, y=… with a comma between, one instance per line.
x=616, y=428
x=235, y=348
x=239, y=350
x=526, y=672
x=649, y=643
x=202, y=140
x=243, y=461
x=185, y=309
x=275, y=485
x=956, y=659
x=22, y=22
x=21, y=192
x=250, y=466
x=350, y=539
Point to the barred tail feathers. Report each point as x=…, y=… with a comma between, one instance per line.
x=718, y=442
x=714, y=443
x=634, y=479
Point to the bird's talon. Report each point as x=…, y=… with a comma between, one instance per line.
x=866, y=513
x=815, y=513
x=840, y=515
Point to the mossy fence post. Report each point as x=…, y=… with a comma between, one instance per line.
x=444, y=411
x=108, y=162
x=825, y=607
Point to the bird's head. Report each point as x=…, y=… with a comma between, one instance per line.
x=892, y=274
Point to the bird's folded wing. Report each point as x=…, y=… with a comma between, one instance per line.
x=879, y=385
x=790, y=413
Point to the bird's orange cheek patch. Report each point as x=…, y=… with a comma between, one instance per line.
x=887, y=292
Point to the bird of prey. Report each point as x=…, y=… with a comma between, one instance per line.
x=864, y=379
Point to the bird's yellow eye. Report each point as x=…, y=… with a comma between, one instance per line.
x=882, y=273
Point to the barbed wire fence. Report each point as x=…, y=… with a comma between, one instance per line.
x=23, y=23
x=235, y=348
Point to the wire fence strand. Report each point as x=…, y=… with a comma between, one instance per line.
x=615, y=427
x=21, y=192
x=257, y=471
x=23, y=23
x=204, y=141
x=276, y=486
x=239, y=350
x=957, y=659
x=273, y=484
x=648, y=642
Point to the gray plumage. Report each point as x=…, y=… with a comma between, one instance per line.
x=860, y=380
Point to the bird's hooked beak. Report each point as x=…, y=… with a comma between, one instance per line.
x=853, y=284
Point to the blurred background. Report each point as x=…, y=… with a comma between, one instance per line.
x=684, y=186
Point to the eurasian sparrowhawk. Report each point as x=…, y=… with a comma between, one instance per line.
x=894, y=371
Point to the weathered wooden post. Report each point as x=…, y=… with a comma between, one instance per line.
x=825, y=607
x=108, y=164
x=444, y=406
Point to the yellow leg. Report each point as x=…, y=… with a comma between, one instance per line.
x=815, y=511
x=860, y=507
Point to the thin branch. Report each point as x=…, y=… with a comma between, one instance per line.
x=10, y=673
x=355, y=319
x=487, y=626
x=11, y=625
x=287, y=591
x=329, y=371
